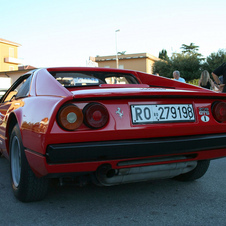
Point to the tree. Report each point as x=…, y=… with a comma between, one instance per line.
x=163, y=55
x=162, y=67
x=188, y=63
x=122, y=53
x=190, y=49
x=214, y=60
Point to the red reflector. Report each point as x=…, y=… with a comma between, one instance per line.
x=95, y=115
x=219, y=111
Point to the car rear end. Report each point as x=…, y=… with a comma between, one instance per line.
x=121, y=135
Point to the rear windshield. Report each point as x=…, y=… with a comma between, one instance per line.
x=69, y=79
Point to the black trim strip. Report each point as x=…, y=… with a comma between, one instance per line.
x=34, y=152
x=112, y=150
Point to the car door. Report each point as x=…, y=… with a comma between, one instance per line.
x=10, y=102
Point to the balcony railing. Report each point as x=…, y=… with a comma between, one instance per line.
x=12, y=60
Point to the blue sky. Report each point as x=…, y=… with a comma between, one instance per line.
x=66, y=33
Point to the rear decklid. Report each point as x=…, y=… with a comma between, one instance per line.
x=142, y=90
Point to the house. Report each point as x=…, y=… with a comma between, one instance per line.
x=140, y=61
x=10, y=65
x=9, y=55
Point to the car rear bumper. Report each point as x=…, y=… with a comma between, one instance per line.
x=132, y=149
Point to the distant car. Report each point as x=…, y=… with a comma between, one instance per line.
x=108, y=126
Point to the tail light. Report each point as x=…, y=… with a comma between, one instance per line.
x=95, y=115
x=70, y=117
x=219, y=111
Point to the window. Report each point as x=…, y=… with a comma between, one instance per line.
x=121, y=66
x=23, y=88
x=19, y=89
x=116, y=80
x=72, y=79
x=11, y=52
x=76, y=79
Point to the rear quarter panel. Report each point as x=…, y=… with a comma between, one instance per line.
x=38, y=115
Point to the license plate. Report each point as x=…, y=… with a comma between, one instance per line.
x=152, y=113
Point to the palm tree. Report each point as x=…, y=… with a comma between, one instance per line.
x=191, y=49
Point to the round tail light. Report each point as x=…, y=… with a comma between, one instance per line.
x=219, y=111
x=70, y=117
x=95, y=115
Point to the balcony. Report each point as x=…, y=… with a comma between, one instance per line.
x=12, y=60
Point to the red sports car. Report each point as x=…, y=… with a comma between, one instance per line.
x=108, y=126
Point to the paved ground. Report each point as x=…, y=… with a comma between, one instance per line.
x=162, y=202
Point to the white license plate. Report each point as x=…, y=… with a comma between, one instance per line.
x=152, y=113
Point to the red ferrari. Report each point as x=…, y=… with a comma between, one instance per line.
x=108, y=126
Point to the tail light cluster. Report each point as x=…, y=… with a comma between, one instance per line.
x=94, y=115
x=219, y=111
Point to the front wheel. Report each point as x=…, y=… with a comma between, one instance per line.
x=196, y=173
x=26, y=186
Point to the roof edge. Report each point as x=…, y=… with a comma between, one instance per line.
x=9, y=42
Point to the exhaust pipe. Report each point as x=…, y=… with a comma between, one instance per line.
x=105, y=171
x=106, y=176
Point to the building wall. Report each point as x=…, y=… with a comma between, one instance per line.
x=149, y=66
x=8, y=50
x=140, y=62
x=131, y=64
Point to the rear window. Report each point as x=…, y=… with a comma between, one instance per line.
x=70, y=79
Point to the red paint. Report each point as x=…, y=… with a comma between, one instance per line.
x=37, y=113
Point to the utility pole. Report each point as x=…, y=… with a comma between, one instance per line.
x=116, y=47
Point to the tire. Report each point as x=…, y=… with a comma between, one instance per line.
x=196, y=173
x=26, y=186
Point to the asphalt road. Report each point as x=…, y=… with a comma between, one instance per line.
x=162, y=202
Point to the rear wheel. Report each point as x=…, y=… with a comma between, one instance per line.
x=26, y=186
x=196, y=173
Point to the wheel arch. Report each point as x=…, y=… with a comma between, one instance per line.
x=12, y=121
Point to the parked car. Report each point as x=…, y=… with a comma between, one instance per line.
x=108, y=126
